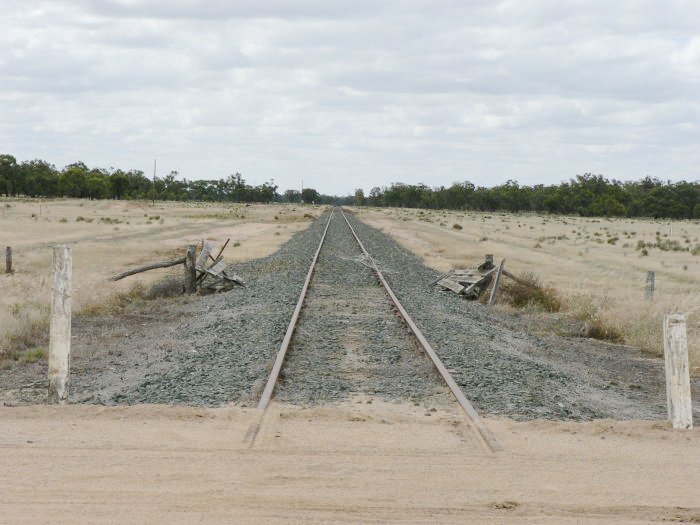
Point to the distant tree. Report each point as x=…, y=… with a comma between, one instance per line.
x=375, y=196
x=97, y=184
x=72, y=181
x=310, y=195
x=696, y=211
x=8, y=175
x=292, y=196
x=359, y=197
x=607, y=206
x=119, y=183
x=266, y=193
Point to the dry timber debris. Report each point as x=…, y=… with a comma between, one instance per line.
x=211, y=274
x=472, y=282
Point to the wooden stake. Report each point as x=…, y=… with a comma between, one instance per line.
x=496, y=282
x=680, y=408
x=8, y=259
x=221, y=250
x=60, y=331
x=649, y=290
x=190, y=272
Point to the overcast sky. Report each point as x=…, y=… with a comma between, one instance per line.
x=356, y=93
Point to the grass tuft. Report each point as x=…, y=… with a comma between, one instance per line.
x=530, y=293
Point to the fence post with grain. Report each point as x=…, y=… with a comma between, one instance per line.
x=680, y=408
x=60, y=330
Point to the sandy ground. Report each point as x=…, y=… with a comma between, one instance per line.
x=357, y=462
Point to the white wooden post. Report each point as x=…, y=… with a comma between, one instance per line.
x=59, y=343
x=680, y=408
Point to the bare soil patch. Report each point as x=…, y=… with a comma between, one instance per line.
x=378, y=463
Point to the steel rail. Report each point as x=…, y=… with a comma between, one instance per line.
x=488, y=438
x=266, y=396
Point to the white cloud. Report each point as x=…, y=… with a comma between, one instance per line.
x=348, y=94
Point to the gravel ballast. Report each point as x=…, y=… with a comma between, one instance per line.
x=348, y=340
x=513, y=373
x=209, y=351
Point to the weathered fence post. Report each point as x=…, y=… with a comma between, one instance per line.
x=190, y=273
x=8, y=259
x=649, y=290
x=489, y=260
x=496, y=282
x=680, y=408
x=60, y=331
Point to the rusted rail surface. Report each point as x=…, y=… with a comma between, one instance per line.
x=471, y=413
x=282, y=352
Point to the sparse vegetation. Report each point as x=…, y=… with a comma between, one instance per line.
x=25, y=295
x=580, y=266
x=530, y=292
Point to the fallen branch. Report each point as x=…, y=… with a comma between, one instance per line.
x=161, y=264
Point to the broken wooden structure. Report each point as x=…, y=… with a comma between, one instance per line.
x=214, y=277
x=470, y=282
x=473, y=282
x=202, y=272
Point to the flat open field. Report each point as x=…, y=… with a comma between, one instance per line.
x=593, y=263
x=108, y=237
x=361, y=428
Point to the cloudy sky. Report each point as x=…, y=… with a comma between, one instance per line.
x=355, y=93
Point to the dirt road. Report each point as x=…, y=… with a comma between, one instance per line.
x=356, y=462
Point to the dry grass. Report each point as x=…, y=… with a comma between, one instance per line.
x=110, y=236
x=597, y=266
x=531, y=293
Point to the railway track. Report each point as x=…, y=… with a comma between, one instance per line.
x=272, y=384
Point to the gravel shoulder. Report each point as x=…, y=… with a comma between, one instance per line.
x=504, y=370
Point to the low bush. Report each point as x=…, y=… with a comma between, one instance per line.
x=598, y=328
x=167, y=287
x=530, y=292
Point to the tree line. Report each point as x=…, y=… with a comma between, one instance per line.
x=38, y=178
x=586, y=195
